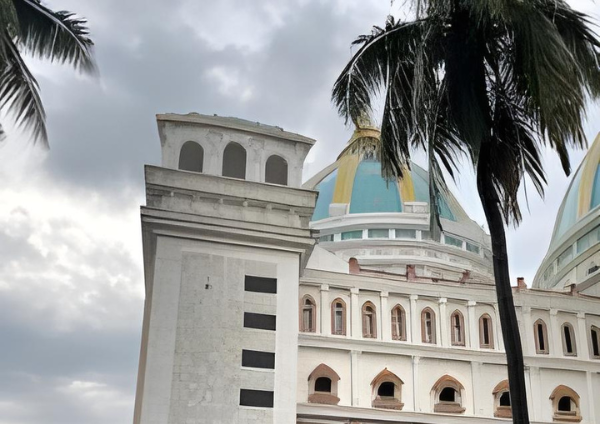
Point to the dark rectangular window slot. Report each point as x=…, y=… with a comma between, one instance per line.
x=260, y=398
x=256, y=359
x=260, y=321
x=260, y=284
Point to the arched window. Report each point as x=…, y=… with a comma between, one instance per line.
x=541, y=337
x=568, y=340
x=595, y=342
x=234, y=161
x=323, y=386
x=565, y=404
x=338, y=317
x=191, y=157
x=369, y=320
x=502, y=408
x=308, y=320
x=428, y=326
x=447, y=395
x=398, y=323
x=458, y=328
x=387, y=391
x=486, y=332
x=276, y=170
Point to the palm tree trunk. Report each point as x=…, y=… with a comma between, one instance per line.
x=508, y=317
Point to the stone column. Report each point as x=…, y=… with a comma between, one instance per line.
x=583, y=348
x=554, y=335
x=385, y=324
x=355, y=377
x=356, y=329
x=415, y=383
x=479, y=397
x=325, y=311
x=414, y=335
x=444, y=329
x=536, y=402
x=499, y=341
x=591, y=396
x=473, y=325
x=527, y=336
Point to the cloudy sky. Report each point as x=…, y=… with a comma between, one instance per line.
x=71, y=286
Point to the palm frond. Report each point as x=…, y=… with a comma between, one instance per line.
x=8, y=16
x=19, y=91
x=366, y=72
x=547, y=72
x=57, y=36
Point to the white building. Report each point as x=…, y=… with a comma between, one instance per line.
x=265, y=304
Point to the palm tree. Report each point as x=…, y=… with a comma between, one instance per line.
x=28, y=26
x=494, y=79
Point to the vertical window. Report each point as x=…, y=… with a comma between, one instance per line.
x=338, y=317
x=398, y=323
x=458, y=329
x=276, y=170
x=369, y=318
x=541, y=337
x=568, y=335
x=595, y=336
x=234, y=161
x=309, y=315
x=428, y=326
x=486, y=340
x=191, y=157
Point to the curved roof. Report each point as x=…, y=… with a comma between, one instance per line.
x=358, y=182
x=583, y=194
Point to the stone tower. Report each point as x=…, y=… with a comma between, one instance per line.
x=225, y=237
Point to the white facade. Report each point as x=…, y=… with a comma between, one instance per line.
x=378, y=323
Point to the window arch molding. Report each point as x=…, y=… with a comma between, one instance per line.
x=428, y=326
x=565, y=404
x=457, y=327
x=308, y=314
x=398, y=321
x=191, y=156
x=317, y=385
x=569, y=341
x=502, y=407
x=486, y=332
x=369, y=320
x=276, y=170
x=338, y=317
x=234, y=161
x=447, y=394
x=540, y=333
x=387, y=391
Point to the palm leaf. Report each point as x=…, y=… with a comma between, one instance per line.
x=57, y=36
x=19, y=91
x=8, y=16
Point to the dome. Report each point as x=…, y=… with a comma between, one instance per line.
x=583, y=194
x=358, y=183
x=573, y=252
x=384, y=223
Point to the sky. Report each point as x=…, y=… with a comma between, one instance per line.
x=71, y=283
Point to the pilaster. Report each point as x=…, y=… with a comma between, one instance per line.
x=473, y=324
x=385, y=330
x=444, y=330
x=415, y=318
x=325, y=311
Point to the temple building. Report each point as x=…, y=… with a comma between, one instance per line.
x=328, y=302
